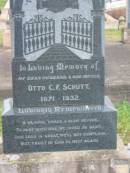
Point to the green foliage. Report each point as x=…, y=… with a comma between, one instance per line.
x=113, y=35
x=2, y=3
x=124, y=121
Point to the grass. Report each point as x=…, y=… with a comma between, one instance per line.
x=2, y=3
x=1, y=37
x=113, y=35
x=124, y=121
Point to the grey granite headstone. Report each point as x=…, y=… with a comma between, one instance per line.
x=58, y=55
x=58, y=78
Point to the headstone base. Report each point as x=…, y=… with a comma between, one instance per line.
x=59, y=128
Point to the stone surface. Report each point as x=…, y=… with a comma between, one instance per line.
x=64, y=82
x=59, y=128
x=60, y=42
x=66, y=162
x=117, y=78
x=58, y=78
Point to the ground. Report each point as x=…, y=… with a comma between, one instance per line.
x=117, y=64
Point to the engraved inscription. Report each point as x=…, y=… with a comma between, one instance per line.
x=60, y=132
x=59, y=83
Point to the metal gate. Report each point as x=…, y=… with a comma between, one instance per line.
x=39, y=33
x=76, y=32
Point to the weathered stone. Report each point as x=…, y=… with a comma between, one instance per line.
x=58, y=79
x=59, y=128
x=58, y=83
x=66, y=162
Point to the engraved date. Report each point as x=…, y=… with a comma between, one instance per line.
x=71, y=98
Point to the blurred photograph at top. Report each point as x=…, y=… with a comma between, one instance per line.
x=116, y=8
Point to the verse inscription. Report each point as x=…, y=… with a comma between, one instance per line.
x=58, y=132
x=66, y=130
x=58, y=83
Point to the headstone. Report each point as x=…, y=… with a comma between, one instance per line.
x=58, y=78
